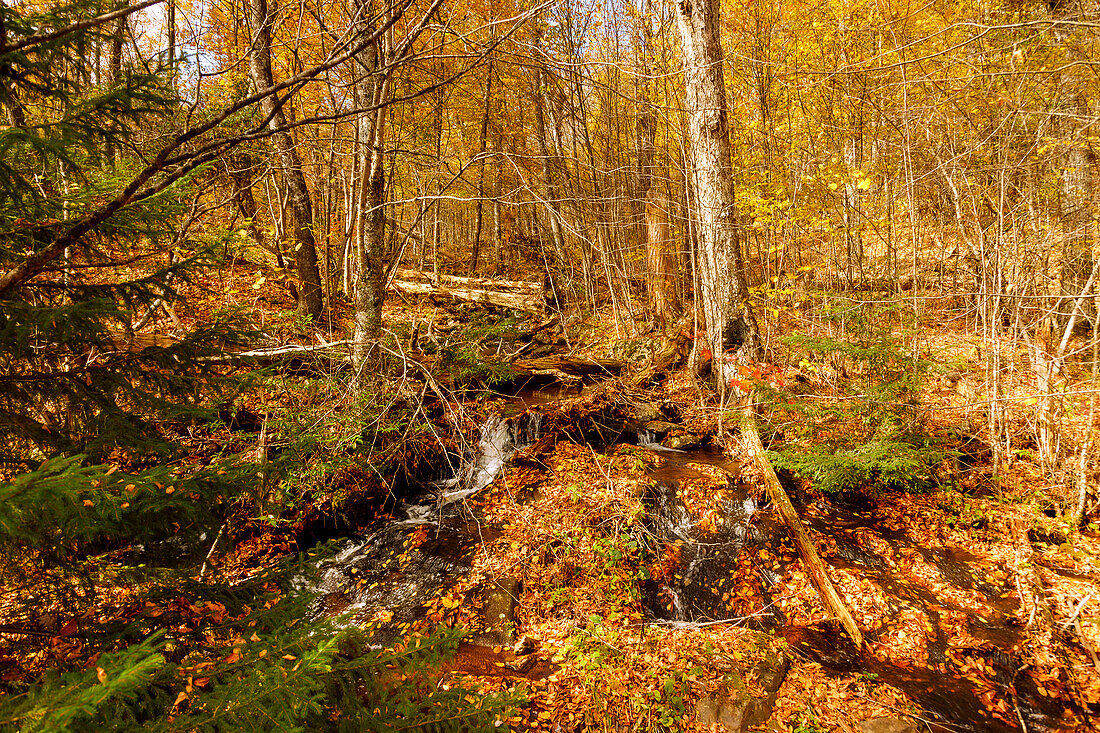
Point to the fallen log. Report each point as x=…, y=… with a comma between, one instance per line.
x=674, y=349
x=814, y=565
x=529, y=302
x=334, y=351
x=576, y=366
x=485, y=283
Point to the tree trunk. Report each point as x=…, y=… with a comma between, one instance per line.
x=240, y=174
x=662, y=268
x=731, y=327
x=305, y=249
x=16, y=113
x=662, y=265
x=483, y=141
x=1076, y=194
x=549, y=181
x=815, y=567
x=371, y=88
x=114, y=73
x=1075, y=212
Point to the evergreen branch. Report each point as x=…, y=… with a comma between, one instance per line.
x=74, y=28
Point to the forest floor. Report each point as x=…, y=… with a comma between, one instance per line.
x=646, y=576
x=979, y=608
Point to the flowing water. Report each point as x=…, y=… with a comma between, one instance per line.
x=698, y=592
x=376, y=577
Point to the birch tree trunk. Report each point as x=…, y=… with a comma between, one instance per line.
x=731, y=327
x=310, y=301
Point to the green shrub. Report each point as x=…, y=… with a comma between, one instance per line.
x=869, y=433
x=887, y=463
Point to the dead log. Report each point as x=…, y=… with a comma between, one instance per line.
x=133, y=342
x=335, y=352
x=530, y=333
x=814, y=565
x=484, y=283
x=575, y=366
x=674, y=349
x=521, y=301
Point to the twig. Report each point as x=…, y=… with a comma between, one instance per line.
x=1077, y=611
x=1085, y=643
x=1019, y=715
x=701, y=624
x=606, y=475
x=939, y=724
x=213, y=547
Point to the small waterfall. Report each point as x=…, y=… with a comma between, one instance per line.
x=708, y=549
x=674, y=519
x=500, y=438
x=651, y=440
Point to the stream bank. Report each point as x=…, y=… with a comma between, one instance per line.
x=658, y=583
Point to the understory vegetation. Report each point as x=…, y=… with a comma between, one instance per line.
x=869, y=431
x=377, y=366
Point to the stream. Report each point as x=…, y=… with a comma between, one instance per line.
x=949, y=702
x=943, y=594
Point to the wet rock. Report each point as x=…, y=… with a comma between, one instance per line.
x=683, y=441
x=659, y=427
x=645, y=412
x=524, y=645
x=735, y=708
x=522, y=664
x=379, y=577
x=498, y=612
x=1043, y=537
x=887, y=725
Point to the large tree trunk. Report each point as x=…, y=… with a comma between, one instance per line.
x=305, y=249
x=371, y=90
x=662, y=263
x=731, y=327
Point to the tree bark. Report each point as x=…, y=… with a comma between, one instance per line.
x=815, y=568
x=310, y=298
x=371, y=88
x=482, y=143
x=550, y=184
x=662, y=264
x=731, y=326
x=9, y=98
x=662, y=268
x=1075, y=211
x=1076, y=194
